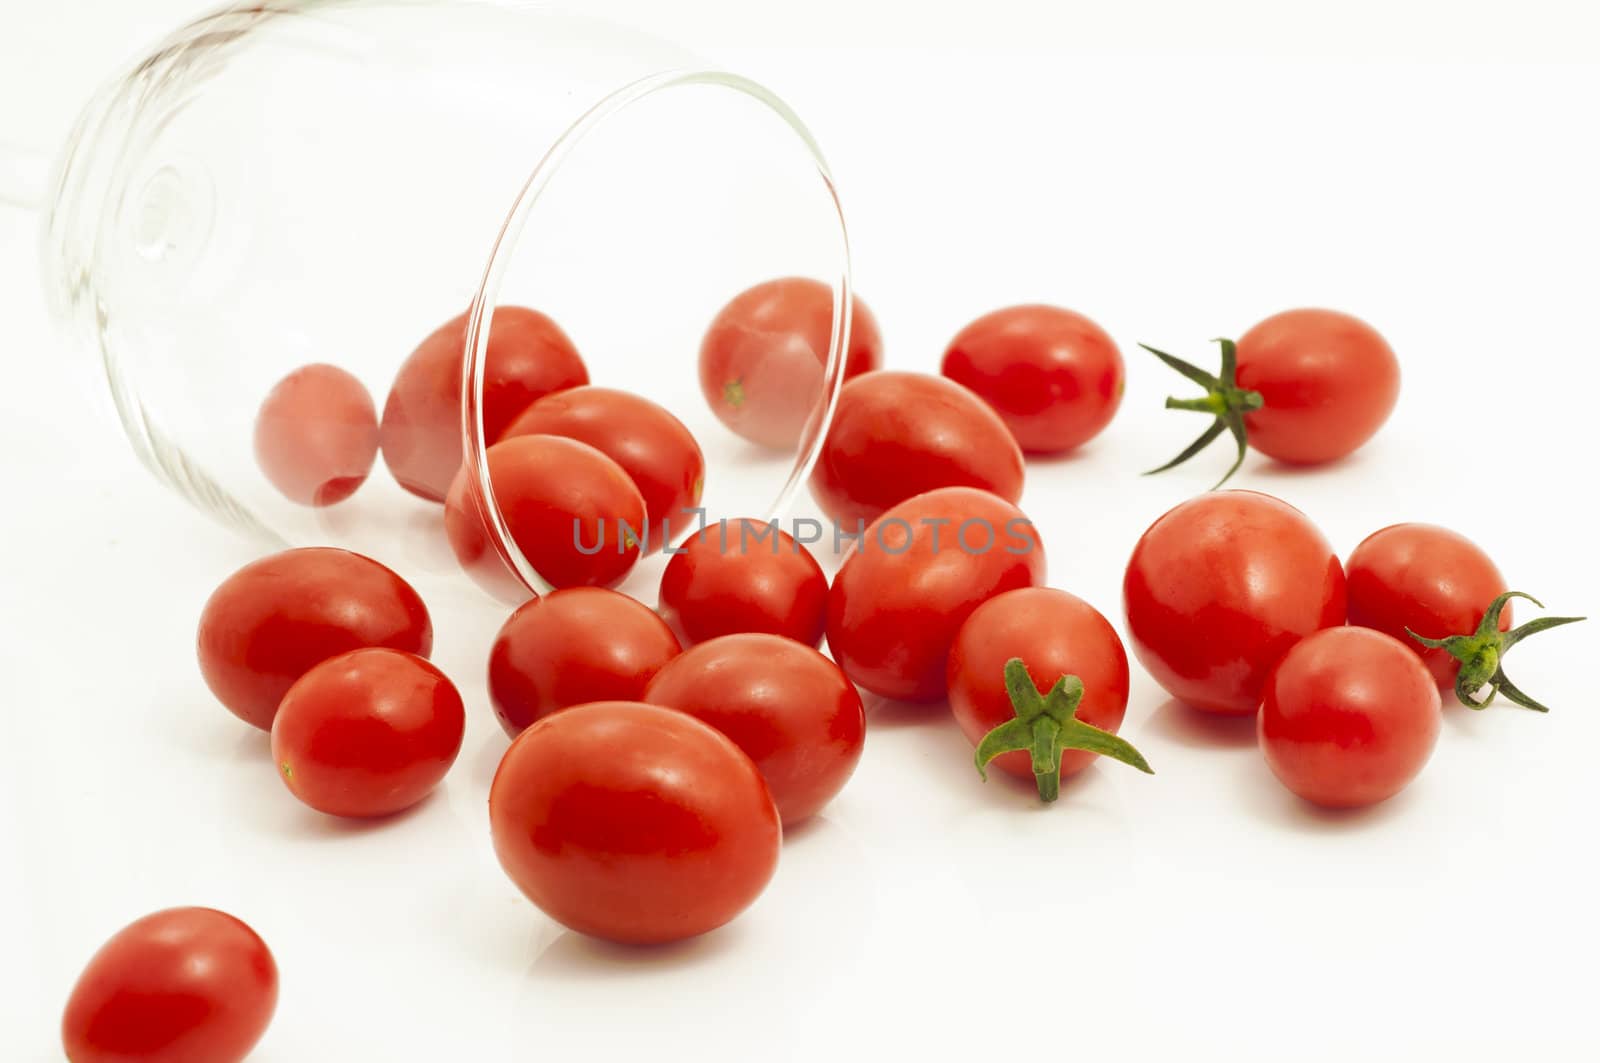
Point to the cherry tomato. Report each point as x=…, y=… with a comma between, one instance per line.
x=1053, y=376
x=367, y=733
x=316, y=436
x=572, y=646
x=1054, y=634
x=1218, y=590
x=744, y=575
x=529, y=357
x=895, y=435
x=184, y=985
x=1349, y=717
x=633, y=822
x=1303, y=386
x=786, y=705
x=268, y=623
x=572, y=512
x=651, y=445
x=1425, y=578
x=762, y=358
x=915, y=576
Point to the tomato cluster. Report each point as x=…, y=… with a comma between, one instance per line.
x=657, y=755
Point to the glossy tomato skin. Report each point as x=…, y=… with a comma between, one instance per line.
x=762, y=358
x=744, y=575
x=787, y=706
x=573, y=646
x=896, y=435
x=529, y=357
x=183, y=985
x=1220, y=588
x=367, y=733
x=1055, y=634
x=1428, y=579
x=567, y=506
x=1054, y=377
x=1349, y=717
x=271, y=621
x=1328, y=382
x=632, y=822
x=316, y=435
x=908, y=585
x=652, y=446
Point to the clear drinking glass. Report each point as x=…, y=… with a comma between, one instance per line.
x=287, y=183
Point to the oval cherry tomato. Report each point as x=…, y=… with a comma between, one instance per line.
x=1303, y=386
x=1053, y=376
x=573, y=646
x=268, y=623
x=744, y=575
x=529, y=357
x=1428, y=579
x=762, y=358
x=633, y=822
x=1054, y=634
x=573, y=512
x=1218, y=590
x=1349, y=717
x=786, y=705
x=895, y=435
x=316, y=435
x=651, y=445
x=184, y=985
x=368, y=733
x=915, y=576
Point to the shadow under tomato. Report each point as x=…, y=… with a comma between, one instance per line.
x=572, y=955
x=1178, y=722
x=1081, y=455
x=886, y=713
x=1281, y=807
x=304, y=823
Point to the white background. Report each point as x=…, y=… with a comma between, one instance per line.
x=1177, y=171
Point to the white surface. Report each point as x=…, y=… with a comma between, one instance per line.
x=1173, y=176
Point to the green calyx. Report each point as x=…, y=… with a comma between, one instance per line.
x=1483, y=652
x=733, y=393
x=1224, y=400
x=1046, y=725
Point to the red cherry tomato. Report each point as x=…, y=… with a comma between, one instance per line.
x=1428, y=579
x=573, y=646
x=895, y=435
x=762, y=358
x=744, y=575
x=915, y=576
x=1053, y=376
x=268, y=623
x=573, y=512
x=786, y=705
x=1303, y=386
x=651, y=445
x=184, y=985
x=316, y=435
x=529, y=357
x=1054, y=634
x=1349, y=717
x=633, y=822
x=1218, y=590
x=368, y=733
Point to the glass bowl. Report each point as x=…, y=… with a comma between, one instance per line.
x=294, y=183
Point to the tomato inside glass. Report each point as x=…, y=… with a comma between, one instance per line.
x=316, y=435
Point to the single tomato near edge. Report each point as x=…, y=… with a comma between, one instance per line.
x=632, y=822
x=1220, y=587
x=762, y=358
x=786, y=705
x=573, y=646
x=183, y=985
x=1349, y=717
x=1054, y=377
x=915, y=576
x=896, y=435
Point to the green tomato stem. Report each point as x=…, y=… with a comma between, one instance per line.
x=1482, y=654
x=1224, y=400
